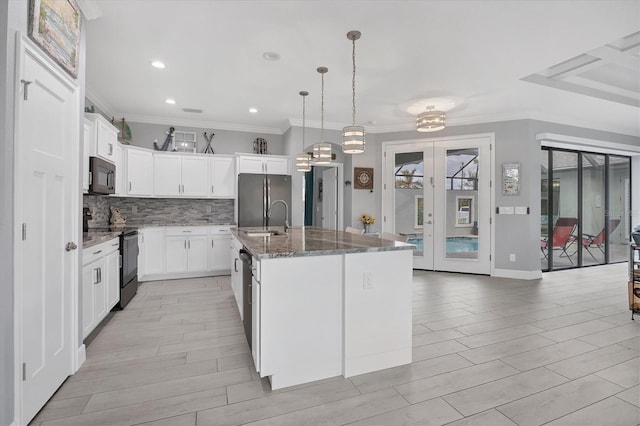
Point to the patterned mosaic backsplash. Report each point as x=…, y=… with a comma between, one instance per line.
x=158, y=211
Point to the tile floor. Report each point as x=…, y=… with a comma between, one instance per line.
x=487, y=351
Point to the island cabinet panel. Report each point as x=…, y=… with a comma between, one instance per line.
x=301, y=340
x=377, y=323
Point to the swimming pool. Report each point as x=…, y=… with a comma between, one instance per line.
x=454, y=244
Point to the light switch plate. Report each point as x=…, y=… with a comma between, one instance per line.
x=521, y=210
x=505, y=210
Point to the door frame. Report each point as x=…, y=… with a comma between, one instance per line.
x=24, y=47
x=340, y=195
x=492, y=186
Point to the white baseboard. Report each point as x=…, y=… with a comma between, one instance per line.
x=81, y=356
x=518, y=275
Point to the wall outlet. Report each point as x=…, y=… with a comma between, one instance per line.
x=134, y=209
x=512, y=257
x=208, y=209
x=367, y=282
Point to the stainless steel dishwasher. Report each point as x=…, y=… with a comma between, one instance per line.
x=247, y=275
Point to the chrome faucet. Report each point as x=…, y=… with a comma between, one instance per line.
x=286, y=213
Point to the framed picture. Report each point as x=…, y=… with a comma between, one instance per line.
x=510, y=178
x=363, y=177
x=464, y=211
x=54, y=25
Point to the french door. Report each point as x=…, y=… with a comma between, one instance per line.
x=437, y=194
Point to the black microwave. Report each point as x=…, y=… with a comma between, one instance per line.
x=102, y=176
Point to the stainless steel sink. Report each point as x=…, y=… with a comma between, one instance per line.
x=264, y=233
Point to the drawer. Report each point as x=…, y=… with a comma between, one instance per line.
x=220, y=230
x=174, y=231
x=94, y=253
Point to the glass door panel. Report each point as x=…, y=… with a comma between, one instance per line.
x=409, y=197
x=562, y=249
x=593, y=209
x=619, y=208
x=545, y=205
x=460, y=218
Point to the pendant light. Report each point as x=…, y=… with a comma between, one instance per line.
x=303, y=160
x=353, y=137
x=431, y=120
x=322, y=150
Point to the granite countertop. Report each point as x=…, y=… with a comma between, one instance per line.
x=93, y=238
x=307, y=241
x=96, y=236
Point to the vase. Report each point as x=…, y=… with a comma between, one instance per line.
x=366, y=228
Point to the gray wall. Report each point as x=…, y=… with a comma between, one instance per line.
x=6, y=213
x=224, y=141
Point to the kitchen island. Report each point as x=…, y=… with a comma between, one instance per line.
x=325, y=303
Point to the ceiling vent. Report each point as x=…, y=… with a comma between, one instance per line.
x=193, y=110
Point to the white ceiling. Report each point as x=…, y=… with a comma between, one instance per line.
x=474, y=52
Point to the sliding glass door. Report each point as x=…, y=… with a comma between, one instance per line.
x=585, y=208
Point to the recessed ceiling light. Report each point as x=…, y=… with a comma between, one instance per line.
x=253, y=110
x=158, y=64
x=271, y=56
x=170, y=101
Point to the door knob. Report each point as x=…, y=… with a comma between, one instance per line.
x=70, y=246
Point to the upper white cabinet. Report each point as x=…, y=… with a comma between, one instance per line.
x=104, y=136
x=177, y=175
x=267, y=164
x=139, y=171
x=222, y=176
x=86, y=153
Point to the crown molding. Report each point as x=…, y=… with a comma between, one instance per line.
x=97, y=100
x=200, y=123
x=90, y=9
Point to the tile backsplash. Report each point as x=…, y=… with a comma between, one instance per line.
x=158, y=211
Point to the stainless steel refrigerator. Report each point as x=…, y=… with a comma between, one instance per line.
x=256, y=193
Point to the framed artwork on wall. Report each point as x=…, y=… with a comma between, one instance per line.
x=54, y=25
x=510, y=178
x=363, y=177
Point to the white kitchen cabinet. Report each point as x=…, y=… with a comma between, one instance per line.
x=236, y=273
x=121, y=188
x=100, y=283
x=219, y=243
x=178, y=175
x=139, y=171
x=86, y=153
x=186, y=249
x=113, y=278
x=222, y=176
x=104, y=136
x=255, y=320
x=267, y=164
x=151, y=261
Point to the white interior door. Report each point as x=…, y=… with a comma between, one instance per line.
x=47, y=210
x=437, y=194
x=329, y=198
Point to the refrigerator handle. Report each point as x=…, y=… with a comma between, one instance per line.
x=265, y=201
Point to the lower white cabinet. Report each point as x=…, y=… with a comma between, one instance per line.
x=168, y=252
x=236, y=273
x=100, y=283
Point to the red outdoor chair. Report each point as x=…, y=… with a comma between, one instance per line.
x=561, y=238
x=597, y=241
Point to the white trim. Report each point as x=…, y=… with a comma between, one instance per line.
x=97, y=100
x=90, y=9
x=24, y=47
x=81, y=356
x=572, y=142
x=517, y=275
